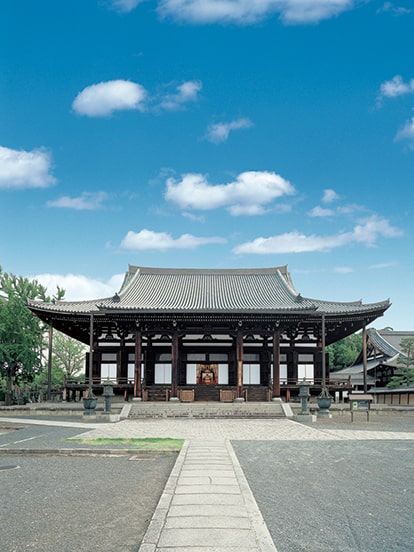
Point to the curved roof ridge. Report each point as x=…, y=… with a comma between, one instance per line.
x=134, y=269
x=357, y=303
x=382, y=344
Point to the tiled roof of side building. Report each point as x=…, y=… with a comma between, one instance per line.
x=204, y=290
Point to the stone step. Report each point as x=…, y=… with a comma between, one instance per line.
x=206, y=410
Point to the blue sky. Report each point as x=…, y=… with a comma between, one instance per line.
x=210, y=133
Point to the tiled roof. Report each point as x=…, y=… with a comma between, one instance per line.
x=203, y=290
x=388, y=342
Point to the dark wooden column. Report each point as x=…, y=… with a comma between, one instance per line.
x=174, y=366
x=364, y=357
x=239, y=362
x=276, y=365
x=137, y=369
x=49, y=362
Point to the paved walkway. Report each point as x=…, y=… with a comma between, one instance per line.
x=207, y=504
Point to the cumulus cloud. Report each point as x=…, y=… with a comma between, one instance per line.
x=329, y=196
x=394, y=88
x=389, y=7
x=104, y=98
x=85, y=202
x=161, y=241
x=185, y=93
x=249, y=11
x=21, y=169
x=79, y=287
x=247, y=194
x=321, y=212
x=125, y=6
x=407, y=133
x=367, y=232
x=219, y=132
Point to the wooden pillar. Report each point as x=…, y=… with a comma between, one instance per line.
x=90, y=382
x=323, y=331
x=239, y=362
x=276, y=365
x=174, y=366
x=137, y=366
x=364, y=356
x=49, y=362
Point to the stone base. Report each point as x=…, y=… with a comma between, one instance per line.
x=324, y=414
x=276, y=399
x=174, y=400
x=239, y=400
x=107, y=417
x=89, y=417
x=305, y=418
x=137, y=399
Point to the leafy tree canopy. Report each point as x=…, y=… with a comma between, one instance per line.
x=21, y=333
x=344, y=352
x=68, y=355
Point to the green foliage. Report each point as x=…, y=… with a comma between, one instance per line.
x=405, y=363
x=21, y=333
x=68, y=355
x=344, y=352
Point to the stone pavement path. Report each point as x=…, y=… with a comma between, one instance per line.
x=236, y=429
x=207, y=506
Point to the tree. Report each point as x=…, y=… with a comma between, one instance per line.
x=21, y=333
x=405, y=364
x=344, y=352
x=68, y=355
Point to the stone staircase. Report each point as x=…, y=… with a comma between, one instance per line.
x=199, y=409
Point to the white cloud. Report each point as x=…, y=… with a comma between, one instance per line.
x=394, y=10
x=250, y=11
x=80, y=288
x=85, y=202
x=161, y=241
x=103, y=99
x=366, y=233
x=21, y=169
x=186, y=92
x=395, y=87
x=380, y=266
x=343, y=269
x=321, y=212
x=407, y=133
x=125, y=6
x=329, y=196
x=248, y=194
x=219, y=132
x=369, y=230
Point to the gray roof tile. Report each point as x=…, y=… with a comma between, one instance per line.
x=203, y=290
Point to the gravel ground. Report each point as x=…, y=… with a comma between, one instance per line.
x=68, y=503
x=342, y=496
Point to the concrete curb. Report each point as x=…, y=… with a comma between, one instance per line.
x=81, y=452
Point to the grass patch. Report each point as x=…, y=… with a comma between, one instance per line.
x=150, y=443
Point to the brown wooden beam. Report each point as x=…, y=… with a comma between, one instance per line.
x=137, y=368
x=276, y=365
